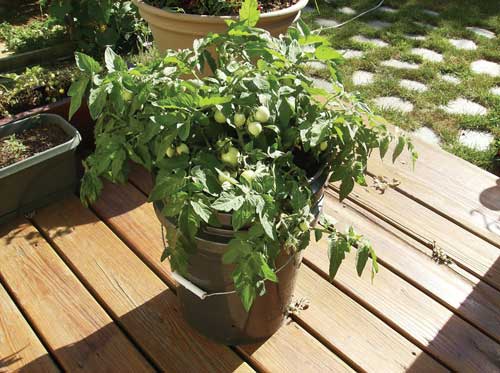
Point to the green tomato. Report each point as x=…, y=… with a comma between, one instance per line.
x=231, y=156
x=304, y=227
x=220, y=117
x=127, y=96
x=262, y=114
x=182, y=149
x=248, y=175
x=225, y=176
x=255, y=128
x=239, y=119
x=323, y=146
x=170, y=152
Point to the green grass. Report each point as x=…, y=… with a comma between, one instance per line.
x=455, y=16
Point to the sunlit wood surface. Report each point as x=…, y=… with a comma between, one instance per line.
x=84, y=289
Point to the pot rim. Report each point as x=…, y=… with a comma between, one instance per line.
x=215, y=19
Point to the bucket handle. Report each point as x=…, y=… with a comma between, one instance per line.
x=202, y=294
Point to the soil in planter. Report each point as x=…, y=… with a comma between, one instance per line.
x=24, y=144
x=232, y=9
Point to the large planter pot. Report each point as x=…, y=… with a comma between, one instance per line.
x=206, y=294
x=43, y=178
x=178, y=30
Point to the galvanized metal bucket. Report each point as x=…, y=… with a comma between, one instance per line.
x=206, y=294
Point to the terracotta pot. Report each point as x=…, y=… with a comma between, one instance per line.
x=178, y=30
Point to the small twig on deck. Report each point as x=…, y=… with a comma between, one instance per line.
x=298, y=305
x=381, y=183
x=439, y=255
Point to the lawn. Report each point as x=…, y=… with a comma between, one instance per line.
x=425, y=25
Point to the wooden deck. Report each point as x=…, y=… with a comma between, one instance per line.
x=84, y=290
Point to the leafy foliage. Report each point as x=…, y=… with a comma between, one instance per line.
x=217, y=7
x=37, y=34
x=33, y=87
x=191, y=134
x=95, y=24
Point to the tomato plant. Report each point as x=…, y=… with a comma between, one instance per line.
x=95, y=24
x=252, y=171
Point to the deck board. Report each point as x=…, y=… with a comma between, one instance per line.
x=358, y=334
x=457, y=189
x=141, y=302
x=19, y=345
x=77, y=330
x=427, y=323
x=465, y=248
x=124, y=208
x=293, y=350
x=468, y=296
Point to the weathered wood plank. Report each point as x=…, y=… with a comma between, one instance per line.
x=121, y=207
x=468, y=297
x=136, y=298
x=427, y=323
x=75, y=328
x=465, y=248
x=457, y=189
x=20, y=348
x=359, y=335
x=298, y=352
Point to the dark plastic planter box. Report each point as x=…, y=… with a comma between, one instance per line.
x=41, y=179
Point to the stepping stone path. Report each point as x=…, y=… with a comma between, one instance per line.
x=415, y=37
x=463, y=44
x=387, y=9
x=316, y=67
x=413, y=85
x=450, y=79
x=351, y=53
x=481, y=32
x=495, y=91
x=309, y=9
x=379, y=25
x=400, y=64
x=347, y=10
x=362, y=77
x=477, y=140
x=427, y=135
x=322, y=83
x=324, y=22
x=462, y=106
x=393, y=103
x=374, y=42
x=430, y=13
x=426, y=25
x=427, y=54
x=485, y=67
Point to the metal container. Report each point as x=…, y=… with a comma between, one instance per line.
x=221, y=317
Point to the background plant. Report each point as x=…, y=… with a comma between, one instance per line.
x=95, y=24
x=214, y=7
x=243, y=141
x=34, y=87
x=39, y=33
